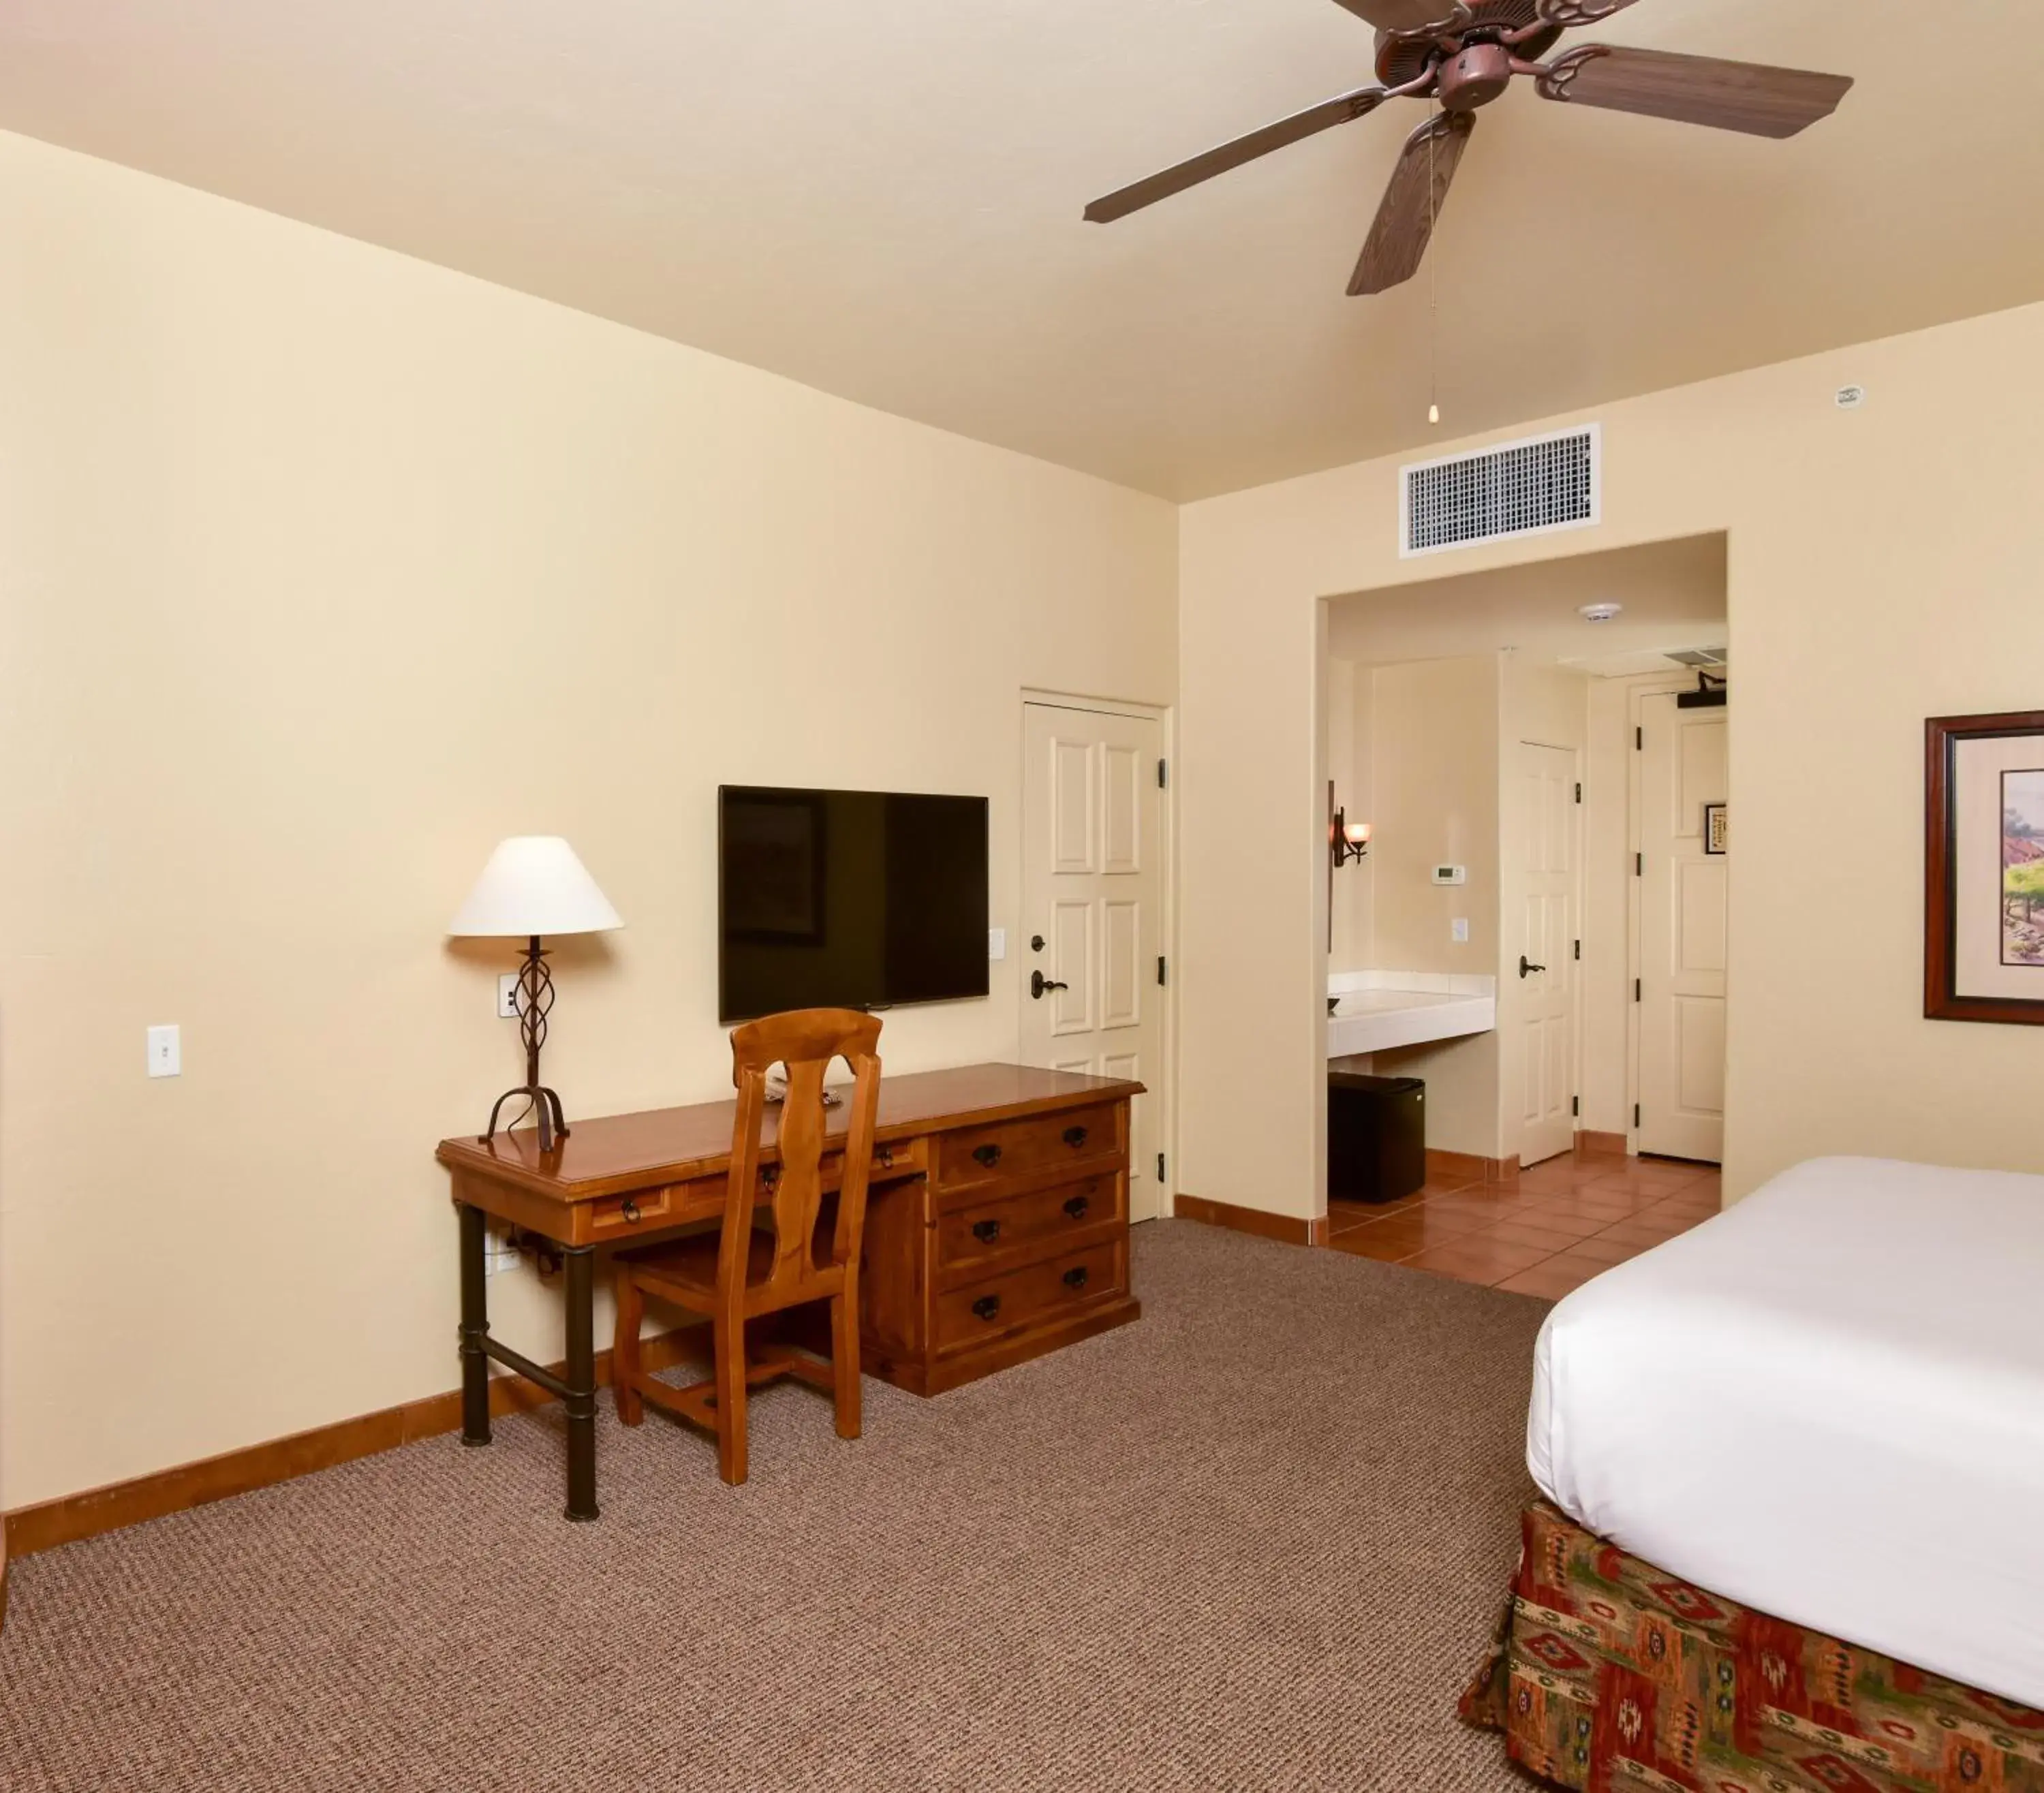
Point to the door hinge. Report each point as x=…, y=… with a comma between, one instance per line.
x=1579, y=790
x=1163, y=775
x=1635, y=1115
x=1576, y=1105
x=1579, y=949
x=1635, y=989
x=1639, y=865
x=1160, y=1167
x=1160, y=968
x=1639, y=740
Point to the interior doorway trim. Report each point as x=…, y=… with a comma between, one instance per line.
x=1166, y=718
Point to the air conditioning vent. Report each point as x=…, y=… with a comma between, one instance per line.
x=1528, y=488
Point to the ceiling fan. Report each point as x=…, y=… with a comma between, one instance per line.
x=1465, y=58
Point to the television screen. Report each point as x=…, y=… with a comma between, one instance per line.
x=848, y=899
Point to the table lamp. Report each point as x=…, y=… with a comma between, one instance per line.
x=534, y=886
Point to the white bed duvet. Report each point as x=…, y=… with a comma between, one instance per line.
x=1826, y=1403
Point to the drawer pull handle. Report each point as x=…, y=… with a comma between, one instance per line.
x=986, y=1231
x=987, y=1307
x=770, y=1175
x=988, y=1155
x=1075, y=1137
x=886, y=1156
x=1077, y=1207
x=631, y=1211
x=1076, y=1276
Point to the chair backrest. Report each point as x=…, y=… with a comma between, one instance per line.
x=806, y=1041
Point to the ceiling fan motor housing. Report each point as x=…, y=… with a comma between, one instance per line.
x=1402, y=59
x=1475, y=76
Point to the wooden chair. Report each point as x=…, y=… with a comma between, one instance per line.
x=742, y=1273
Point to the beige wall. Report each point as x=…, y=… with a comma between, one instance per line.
x=1883, y=567
x=1432, y=728
x=324, y=569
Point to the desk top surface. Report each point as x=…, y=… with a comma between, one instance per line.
x=615, y=1152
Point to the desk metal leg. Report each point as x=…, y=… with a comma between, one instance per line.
x=580, y=1401
x=474, y=1329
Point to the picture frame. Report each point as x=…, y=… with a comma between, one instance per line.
x=1984, y=868
x=1716, y=834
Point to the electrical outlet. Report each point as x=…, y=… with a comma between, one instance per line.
x=507, y=996
x=166, y=1052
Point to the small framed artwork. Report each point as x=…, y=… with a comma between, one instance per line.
x=1984, y=868
x=1714, y=828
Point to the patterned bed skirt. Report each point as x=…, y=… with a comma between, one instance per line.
x=1608, y=1676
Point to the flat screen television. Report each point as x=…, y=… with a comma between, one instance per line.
x=848, y=898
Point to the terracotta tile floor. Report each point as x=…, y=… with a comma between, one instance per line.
x=1558, y=1226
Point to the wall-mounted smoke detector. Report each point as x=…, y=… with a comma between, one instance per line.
x=1601, y=612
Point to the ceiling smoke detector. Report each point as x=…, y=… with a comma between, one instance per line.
x=1600, y=613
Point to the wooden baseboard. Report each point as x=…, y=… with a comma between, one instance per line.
x=74, y=1516
x=1600, y=1145
x=1287, y=1229
x=1466, y=1167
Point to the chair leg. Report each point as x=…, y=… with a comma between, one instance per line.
x=728, y=1338
x=625, y=1352
x=844, y=1361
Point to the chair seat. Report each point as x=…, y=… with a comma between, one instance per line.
x=687, y=1267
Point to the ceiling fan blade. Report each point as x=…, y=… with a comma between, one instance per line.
x=1412, y=203
x=1338, y=110
x=1729, y=96
x=1405, y=16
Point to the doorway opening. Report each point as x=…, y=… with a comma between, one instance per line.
x=1534, y=930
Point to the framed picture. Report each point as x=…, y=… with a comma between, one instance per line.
x=1984, y=868
x=1714, y=828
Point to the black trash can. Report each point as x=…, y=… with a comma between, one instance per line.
x=1376, y=1137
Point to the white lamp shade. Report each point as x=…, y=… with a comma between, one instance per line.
x=534, y=884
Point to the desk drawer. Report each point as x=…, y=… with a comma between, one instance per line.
x=642, y=1211
x=984, y=1311
x=991, y=1231
x=1019, y=1148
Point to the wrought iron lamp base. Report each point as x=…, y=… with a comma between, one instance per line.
x=546, y=1105
x=535, y=998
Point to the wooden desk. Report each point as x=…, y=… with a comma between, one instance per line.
x=996, y=1227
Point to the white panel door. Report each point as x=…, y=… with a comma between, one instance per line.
x=1682, y=936
x=1093, y=883
x=1544, y=820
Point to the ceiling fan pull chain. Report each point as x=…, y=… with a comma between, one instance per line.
x=1433, y=291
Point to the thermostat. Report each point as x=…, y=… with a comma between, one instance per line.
x=1452, y=874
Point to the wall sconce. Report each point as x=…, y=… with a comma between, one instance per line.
x=1349, y=840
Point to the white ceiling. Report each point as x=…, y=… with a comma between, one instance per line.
x=1673, y=594
x=882, y=200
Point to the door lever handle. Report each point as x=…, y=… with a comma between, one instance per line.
x=1038, y=984
x=1527, y=967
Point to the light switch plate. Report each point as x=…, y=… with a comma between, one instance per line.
x=507, y=996
x=166, y=1052
x=1459, y=929
x=996, y=942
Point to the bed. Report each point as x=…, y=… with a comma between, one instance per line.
x=1793, y=1470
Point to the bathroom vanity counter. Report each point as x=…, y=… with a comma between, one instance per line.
x=1377, y=1010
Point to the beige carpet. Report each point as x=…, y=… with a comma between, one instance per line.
x=1255, y=1541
